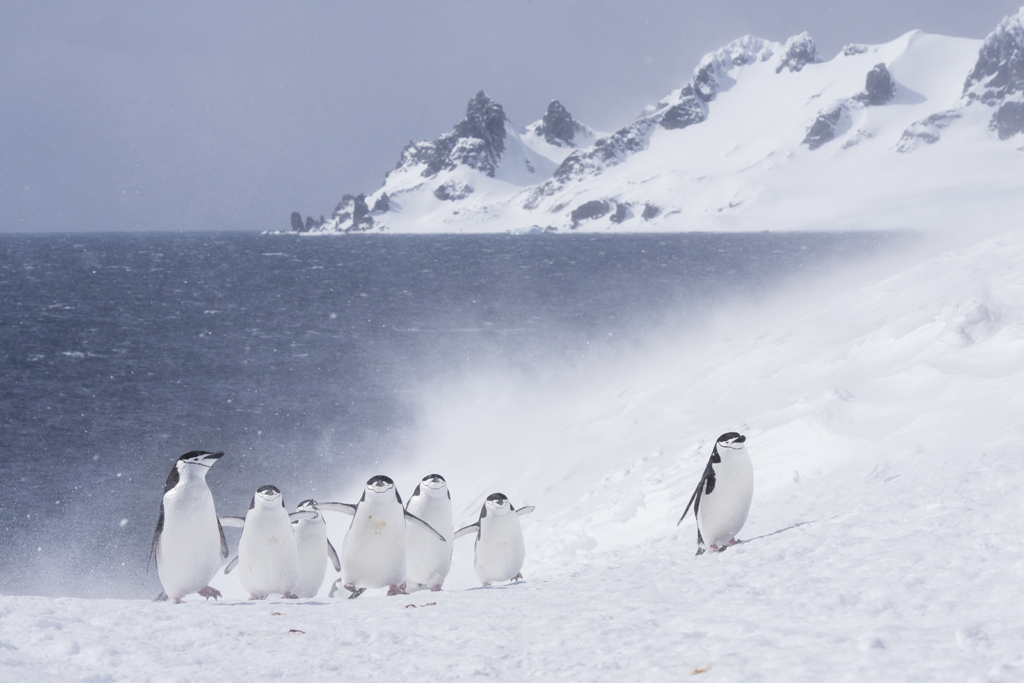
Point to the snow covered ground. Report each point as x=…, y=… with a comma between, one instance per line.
x=886, y=539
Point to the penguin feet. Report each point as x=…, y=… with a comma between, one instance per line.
x=210, y=592
x=289, y=596
x=356, y=592
x=434, y=589
x=700, y=551
x=398, y=590
x=517, y=578
x=178, y=601
x=258, y=596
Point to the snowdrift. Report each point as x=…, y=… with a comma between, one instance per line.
x=882, y=413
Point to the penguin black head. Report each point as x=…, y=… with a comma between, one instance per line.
x=731, y=440
x=433, y=481
x=496, y=503
x=192, y=464
x=380, y=483
x=267, y=494
x=204, y=458
x=308, y=504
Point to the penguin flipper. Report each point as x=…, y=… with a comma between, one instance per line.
x=223, y=541
x=347, y=508
x=333, y=554
x=231, y=565
x=232, y=521
x=156, y=537
x=410, y=516
x=693, y=499
x=466, y=530
x=304, y=514
x=707, y=478
x=525, y=511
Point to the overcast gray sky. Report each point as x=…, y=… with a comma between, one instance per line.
x=231, y=115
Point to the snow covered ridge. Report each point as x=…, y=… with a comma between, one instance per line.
x=924, y=130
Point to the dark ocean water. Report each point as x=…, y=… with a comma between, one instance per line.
x=298, y=357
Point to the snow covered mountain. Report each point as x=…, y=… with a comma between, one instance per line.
x=924, y=129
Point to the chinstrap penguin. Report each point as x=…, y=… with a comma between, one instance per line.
x=189, y=543
x=314, y=549
x=499, y=551
x=268, y=559
x=427, y=561
x=373, y=552
x=721, y=500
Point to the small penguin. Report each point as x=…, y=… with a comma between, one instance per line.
x=427, y=562
x=499, y=551
x=721, y=500
x=373, y=552
x=314, y=549
x=189, y=543
x=268, y=558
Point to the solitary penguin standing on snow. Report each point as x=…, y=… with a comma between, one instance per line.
x=427, y=561
x=373, y=552
x=314, y=549
x=499, y=552
x=268, y=559
x=722, y=498
x=189, y=542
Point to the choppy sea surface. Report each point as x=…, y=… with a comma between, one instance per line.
x=301, y=358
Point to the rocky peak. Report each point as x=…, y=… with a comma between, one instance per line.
x=879, y=87
x=799, y=51
x=999, y=71
x=477, y=141
x=558, y=127
x=485, y=120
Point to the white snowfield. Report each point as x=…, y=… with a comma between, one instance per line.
x=882, y=410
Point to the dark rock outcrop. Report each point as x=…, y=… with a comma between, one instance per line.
x=854, y=49
x=558, y=127
x=650, y=211
x=352, y=214
x=452, y=190
x=999, y=71
x=383, y=203
x=689, y=111
x=477, y=141
x=1008, y=120
x=926, y=131
x=297, y=222
x=622, y=212
x=588, y=210
x=825, y=127
x=879, y=87
x=799, y=52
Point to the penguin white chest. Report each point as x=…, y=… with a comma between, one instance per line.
x=373, y=552
x=311, y=545
x=500, y=549
x=723, y=512
x=188, y=554
x=428, y=561
x=268, y=560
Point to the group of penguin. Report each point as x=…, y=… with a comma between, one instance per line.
x=387, y=545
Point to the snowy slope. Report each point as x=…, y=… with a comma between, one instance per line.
x=741, y=147
x=882, y=409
